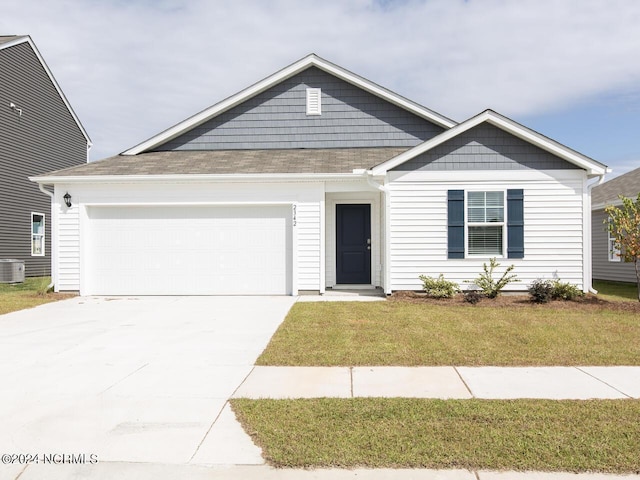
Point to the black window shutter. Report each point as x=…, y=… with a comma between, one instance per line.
x=455, y=224
x=515, y=223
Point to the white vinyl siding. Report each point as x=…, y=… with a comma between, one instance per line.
x=308, y=248
x=68, y=249
x=553, y=226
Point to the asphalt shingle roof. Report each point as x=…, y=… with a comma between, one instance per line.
x=627, y=185
x=337, y=160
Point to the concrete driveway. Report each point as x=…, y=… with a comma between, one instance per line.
x=131, y=379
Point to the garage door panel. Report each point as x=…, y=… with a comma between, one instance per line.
x=189, y=250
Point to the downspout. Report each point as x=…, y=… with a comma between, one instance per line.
x=590, y=239
x=387, y=229
x=53, y=249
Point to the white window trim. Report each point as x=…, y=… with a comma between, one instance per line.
x=314, y=101
x=468, y=224
x=43, y=235
x=613, y=254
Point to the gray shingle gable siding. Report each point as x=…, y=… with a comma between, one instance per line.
x=485, y=147
x=44, y=138
x=276, y=119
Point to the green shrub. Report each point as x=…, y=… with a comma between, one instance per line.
x=439, y=287
x=566, y=291
x=541, y=291
x=490, y=287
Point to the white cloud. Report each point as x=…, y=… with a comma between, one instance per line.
x=133, y=68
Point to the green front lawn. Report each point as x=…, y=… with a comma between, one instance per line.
x=18, y=296
x=548, y=435
x=616, y=291
x=404, y=333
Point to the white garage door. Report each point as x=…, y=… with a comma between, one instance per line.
x=188, y=250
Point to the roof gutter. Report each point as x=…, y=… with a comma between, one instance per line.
x=53, y=250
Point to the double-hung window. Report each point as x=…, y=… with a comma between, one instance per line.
x=485, y=223
x=488, y=223
x=37, y=234
x=613, y=248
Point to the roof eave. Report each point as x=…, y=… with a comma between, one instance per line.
x=274, y=79
x=236, y=177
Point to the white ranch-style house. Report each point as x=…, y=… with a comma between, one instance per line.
x=316, y=178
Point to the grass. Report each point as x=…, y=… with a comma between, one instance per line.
x=546, y=435
x=616, y=291
x=33, y=292
x=403, y=333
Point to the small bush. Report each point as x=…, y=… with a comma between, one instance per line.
x=472, y=296
x=566, y=291
x=439, y=287
x=541, y=291
x=491, y=287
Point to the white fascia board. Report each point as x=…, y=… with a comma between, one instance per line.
x=592, y=167
x=196, y=178
x=27, y=39
x=270, y=81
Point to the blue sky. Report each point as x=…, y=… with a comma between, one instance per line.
x=566, y=68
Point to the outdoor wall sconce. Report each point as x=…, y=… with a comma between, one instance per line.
x=67, y=199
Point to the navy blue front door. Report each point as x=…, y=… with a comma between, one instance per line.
x=353, y=244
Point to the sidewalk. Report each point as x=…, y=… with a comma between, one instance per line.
x=557, y=383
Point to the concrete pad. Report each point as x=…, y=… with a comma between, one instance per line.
x=485, y=475
x=166, y=430
x=354, y=295
x=129, y=379
x=624, y=379
x=556, y=383
x=10, y=471
x=134, y=471
x=144, y=471
x=228, y=444
x=413, y=382
x=161, y=380
x=296, y=382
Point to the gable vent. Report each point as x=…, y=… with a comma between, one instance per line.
x=314, y=104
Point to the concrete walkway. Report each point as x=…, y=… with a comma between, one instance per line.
x=557, y=383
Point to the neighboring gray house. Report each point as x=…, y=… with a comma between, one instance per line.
x=606, y=264
x=39, y=132
x=315, y=178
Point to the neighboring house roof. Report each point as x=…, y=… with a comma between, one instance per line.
x=311, y=60
x=627, y=185
x=225, y=162
x=8, y=41
x=591, y=166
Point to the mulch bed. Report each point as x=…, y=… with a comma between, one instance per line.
x=588, y=302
